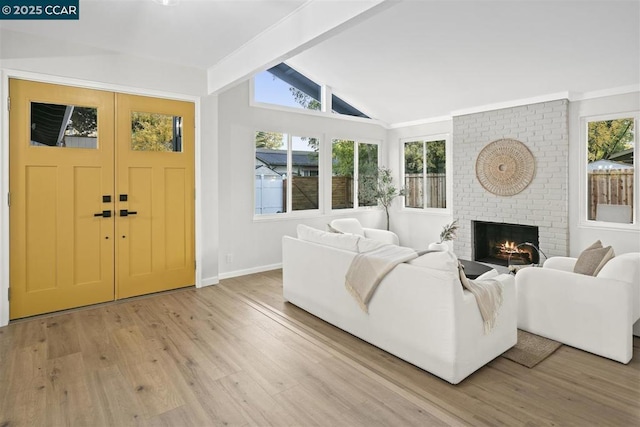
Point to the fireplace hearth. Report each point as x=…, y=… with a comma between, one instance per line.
x=504, y=244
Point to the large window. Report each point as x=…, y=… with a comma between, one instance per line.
x=286, y=173
x=354, y=166
x=611, y=169
x=425, y=179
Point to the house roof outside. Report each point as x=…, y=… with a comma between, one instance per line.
x=625, y=156
x=607, y=165
x=274, y=158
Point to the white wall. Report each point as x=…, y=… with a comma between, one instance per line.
x=415, y=228
x=50, y=57
x=581, y=236
x=256, y=245
x=208, y=232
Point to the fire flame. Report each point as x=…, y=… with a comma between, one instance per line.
x=510, y=248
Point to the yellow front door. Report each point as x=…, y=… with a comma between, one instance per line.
x=155, y=182
x=94, y=218
x=61, y=253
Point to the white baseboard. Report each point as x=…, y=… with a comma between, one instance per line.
x=236, y=273
x=636, y=329
x=209, y=281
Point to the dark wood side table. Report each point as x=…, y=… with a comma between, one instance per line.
x=474, y=269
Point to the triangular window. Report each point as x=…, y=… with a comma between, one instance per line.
x=282, y=85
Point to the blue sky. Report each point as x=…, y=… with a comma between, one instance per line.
x=272, y=90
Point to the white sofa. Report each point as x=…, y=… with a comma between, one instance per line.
x=592, y=313
x=420, y=314
x=353, y=226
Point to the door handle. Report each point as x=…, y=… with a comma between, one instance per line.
x=124, y=212
x=104, y=214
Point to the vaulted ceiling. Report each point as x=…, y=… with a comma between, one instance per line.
x=398, y=61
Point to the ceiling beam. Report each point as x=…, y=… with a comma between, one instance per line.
x=311, y=23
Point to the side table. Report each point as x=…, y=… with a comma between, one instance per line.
x=473, y=269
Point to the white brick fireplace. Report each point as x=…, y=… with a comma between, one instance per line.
x=543, y=128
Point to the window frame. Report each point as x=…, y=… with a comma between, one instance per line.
x=356, y=175
x=288, y=209
x=448, y=172
x=584, y=221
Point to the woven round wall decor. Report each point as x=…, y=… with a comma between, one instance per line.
x=505, y=167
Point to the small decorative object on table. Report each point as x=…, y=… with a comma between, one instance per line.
x=448, y=233
x=514, y=268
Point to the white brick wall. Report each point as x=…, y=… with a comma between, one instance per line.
x=543, y=128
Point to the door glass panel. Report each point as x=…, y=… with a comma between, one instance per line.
x=156, y=132
x=56, y=125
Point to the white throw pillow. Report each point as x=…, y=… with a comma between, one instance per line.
x=347, y=242
x=438, y=260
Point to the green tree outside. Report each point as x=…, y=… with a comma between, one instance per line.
x=84, y=121
x=608, y=137
x=151, y=132
x=270, y=140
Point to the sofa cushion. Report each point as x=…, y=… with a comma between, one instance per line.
x=367, y=245
x=438, y=260
x=592, y=259
x=348, y=242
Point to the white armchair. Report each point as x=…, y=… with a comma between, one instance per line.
x=592, y=313
x=353, y=226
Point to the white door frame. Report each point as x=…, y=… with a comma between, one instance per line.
x=7, y=74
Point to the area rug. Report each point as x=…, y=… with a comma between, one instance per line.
x=531, y=349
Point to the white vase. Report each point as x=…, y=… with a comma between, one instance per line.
x=438, y=247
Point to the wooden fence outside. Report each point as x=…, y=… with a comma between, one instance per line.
x=609, y=187
x=305, y=192
x=436, y=190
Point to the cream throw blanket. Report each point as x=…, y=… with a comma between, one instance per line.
x=488, y=294
x=368, y=269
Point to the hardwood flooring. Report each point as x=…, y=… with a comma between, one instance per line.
x=237, y=354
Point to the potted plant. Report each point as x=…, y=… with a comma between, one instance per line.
x=448, y=233
x=379, y=187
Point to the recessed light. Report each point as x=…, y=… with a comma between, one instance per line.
x=167, y=2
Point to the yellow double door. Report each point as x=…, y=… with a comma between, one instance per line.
x=101, y=196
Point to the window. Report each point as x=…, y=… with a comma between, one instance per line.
x=276, y=86
x=71, y=126
x=425, y=179
x=282, y=85
x=611, y=169
x=286, y=173
x=352, y=162
x=156, y=132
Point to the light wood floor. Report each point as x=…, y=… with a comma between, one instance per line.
x=236, y=354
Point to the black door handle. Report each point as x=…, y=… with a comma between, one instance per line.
x=105, y=214
x=124, y=212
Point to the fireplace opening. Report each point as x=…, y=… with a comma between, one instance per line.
x=502, y=244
